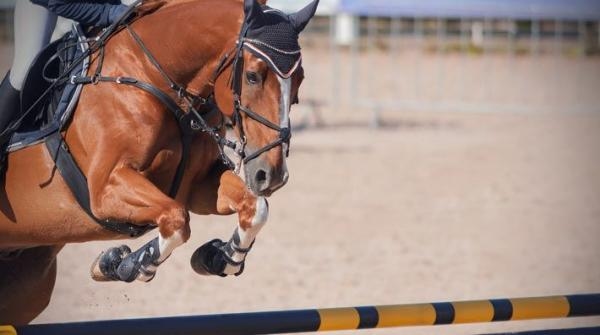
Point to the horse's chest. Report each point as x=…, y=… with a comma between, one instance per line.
x=200, y=159
x=162, y=166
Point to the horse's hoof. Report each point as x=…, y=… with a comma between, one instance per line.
x=208, y=259
x=104, y=266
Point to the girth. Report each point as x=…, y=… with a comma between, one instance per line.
x=77, y=182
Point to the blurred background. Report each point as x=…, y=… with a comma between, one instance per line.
x=443, y=150
x=446, y=55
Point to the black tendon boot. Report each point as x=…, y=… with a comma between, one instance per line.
x=10, y=105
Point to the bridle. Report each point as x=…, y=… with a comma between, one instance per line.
x=235, y=84
x=198, y=123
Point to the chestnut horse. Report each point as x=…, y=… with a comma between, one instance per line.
x=243, y=55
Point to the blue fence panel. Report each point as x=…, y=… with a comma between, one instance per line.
x=505, y=9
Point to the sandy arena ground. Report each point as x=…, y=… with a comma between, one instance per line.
x=432, y=207
x=440, y=207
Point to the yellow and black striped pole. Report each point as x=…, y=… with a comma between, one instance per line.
x=459, y=312
x=7, y=330
x=313, y=320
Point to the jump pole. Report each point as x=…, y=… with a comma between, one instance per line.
x=349, y=318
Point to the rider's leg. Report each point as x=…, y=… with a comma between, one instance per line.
x=33, y=27
x=9, y=102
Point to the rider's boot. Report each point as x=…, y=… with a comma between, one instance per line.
x=9, y=104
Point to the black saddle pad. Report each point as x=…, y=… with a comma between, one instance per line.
x=48, y=97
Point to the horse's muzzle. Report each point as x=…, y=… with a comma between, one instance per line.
x=264, y=179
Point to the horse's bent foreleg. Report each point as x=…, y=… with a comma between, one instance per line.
x=227, y=258
x=129, y=197
x=26, y=284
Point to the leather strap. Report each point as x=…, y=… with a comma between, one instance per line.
x=77, y=182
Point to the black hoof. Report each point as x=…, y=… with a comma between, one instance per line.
x=105, y=266
x=209, y=259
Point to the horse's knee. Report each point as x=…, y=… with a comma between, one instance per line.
x=174, y=221
x=100, y=199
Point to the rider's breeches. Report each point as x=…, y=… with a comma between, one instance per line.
x=33, y=28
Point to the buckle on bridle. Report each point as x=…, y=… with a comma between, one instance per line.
x=243, y=142
x=195, y=125
x=285, y=134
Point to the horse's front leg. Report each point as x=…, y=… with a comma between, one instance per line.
x=130, y=197
x=232, y=196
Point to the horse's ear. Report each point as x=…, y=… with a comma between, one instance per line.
x=253, y=12
x=300, y=19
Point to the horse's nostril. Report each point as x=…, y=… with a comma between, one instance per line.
x=261, y=176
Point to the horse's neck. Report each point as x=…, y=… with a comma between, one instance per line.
x=188, y=38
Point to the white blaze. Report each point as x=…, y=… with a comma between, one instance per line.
x=284, y=111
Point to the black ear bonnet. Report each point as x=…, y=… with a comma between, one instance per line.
x=273, y=35
x=275, y=42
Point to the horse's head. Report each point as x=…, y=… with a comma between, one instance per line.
x=266, y=74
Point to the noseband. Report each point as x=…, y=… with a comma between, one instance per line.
x=285, y=134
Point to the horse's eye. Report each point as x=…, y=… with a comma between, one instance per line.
x=252, y=78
